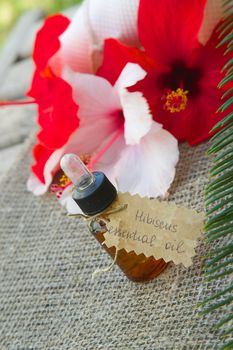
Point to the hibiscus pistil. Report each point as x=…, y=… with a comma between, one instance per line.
x=176, y=100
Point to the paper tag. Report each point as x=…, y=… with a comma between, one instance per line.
x=154, y=228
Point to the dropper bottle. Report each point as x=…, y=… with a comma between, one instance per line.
x=94, y=193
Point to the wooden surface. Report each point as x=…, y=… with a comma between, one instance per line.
x=16, y=69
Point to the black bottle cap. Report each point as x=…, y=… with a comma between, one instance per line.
x=96, y=197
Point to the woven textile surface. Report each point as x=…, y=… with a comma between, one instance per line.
x=48, y=299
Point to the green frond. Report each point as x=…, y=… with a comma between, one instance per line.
x=219, y=206
x=220, y=218
x=215, y=306
x=218, y=195
x=223, y=25
x=222, y=233
x=229, y=70
x=227, y=9
x=215, y=296
x=218, y=250
x=226, y=2
x=218, y=265
x=223, y=321
x=223, y=154
x=219, y=257
x=228, y=78
x=221, y=132
x=227, y=346
x=220, y=275
x=226, y=228
x=220, y=169
x=230, y=48
x=226, y=28
x=221, y=181
x=228, y=64
x=229, y=331
x=226, y=39
x=222, y=142
x=221, y=161
x=223, y=122
x=226, y=105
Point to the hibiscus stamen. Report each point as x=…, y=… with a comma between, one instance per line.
x=105, y=148
x=176, y=101
x=59, y=188
x=17, y=103
x=23, y=102
x=64, y=181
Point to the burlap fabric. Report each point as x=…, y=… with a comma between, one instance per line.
x=48, y=299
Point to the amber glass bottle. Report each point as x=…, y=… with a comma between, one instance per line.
x=137, y=268
x=94, y=193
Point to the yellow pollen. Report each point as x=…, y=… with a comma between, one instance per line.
x=64, y=181
x=176, y=101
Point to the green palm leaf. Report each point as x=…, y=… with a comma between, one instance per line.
x=219, y=199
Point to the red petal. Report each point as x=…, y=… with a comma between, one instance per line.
x=195, y=123
x=41, y=154
x=58, y=119
x=212, y=60
x=39, y=89
x=47, y=40
x=168, y=29
x=58, y=116
x=117, y=55
x=203, y=116
x=57, y=111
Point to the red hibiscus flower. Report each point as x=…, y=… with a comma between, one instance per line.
x=56, y=108
x=182, y=79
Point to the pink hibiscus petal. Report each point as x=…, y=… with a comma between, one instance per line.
x=148, y=168
x=114, y=19
x=98, y=119
x=82, y=42
x=98, y=103
x=67, y=201
x=76, y=45
x=138, y=118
